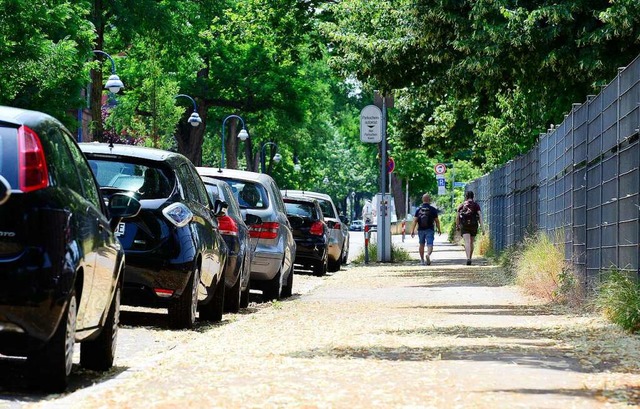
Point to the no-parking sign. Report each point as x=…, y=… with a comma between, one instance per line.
x=440, y=169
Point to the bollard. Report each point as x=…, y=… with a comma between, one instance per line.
x=366, y=243
x=404, y=225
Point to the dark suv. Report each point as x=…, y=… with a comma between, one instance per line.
x=175, y=252
x=60, y=262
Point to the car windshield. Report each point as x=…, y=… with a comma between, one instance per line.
x=250, y=195
x=301, y=209
x=150, y=182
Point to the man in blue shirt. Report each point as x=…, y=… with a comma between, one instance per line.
x=425, y=219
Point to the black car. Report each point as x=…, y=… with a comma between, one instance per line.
x=236, y=235
x=175, y=252
x=310, y=233
x=60, y=262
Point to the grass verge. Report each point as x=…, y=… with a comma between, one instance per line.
x=618, y=299
x=398, y=254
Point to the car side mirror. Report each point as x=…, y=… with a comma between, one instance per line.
x=220, y=207
x=123, y=205
x=252, y=219
x=5, y=190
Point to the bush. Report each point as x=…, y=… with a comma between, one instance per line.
x=398, y=254
x=618, y=298
x=484, y=244
x=541, y=270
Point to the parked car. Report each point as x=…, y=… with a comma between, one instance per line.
x=271, y=237
x=310, y=233
x=356, y=225
x=175, y=252
x=60, y=262
x=236, y=235
x=338, y=231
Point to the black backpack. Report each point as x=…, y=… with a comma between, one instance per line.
x=468, y=217
x=425, y=217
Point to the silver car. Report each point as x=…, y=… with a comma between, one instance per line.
x=272, y=241
x=339, y=232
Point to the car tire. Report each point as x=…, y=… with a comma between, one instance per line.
x=333, y=266
x=287, y=289
x=98, y=354
x=320, y=269
x=244, y=296
x=232, y=296
x=51, y=364
x=272, y=289
x=345, y=256
x=214, y=309
x=182, y=312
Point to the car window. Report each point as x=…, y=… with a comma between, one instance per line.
x=151, y=182
x=86, y=178
x=201, y=192
x=301, y=209
x=278, y=197
x=9, y=155
x=60, y=163
x=327, y=208
x=250, y=195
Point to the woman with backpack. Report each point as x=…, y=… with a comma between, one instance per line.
x=468, y=220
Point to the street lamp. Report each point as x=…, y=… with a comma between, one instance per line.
x=353, y=205
x=113, y=84
x=242, y=135
x=194, y=119
x=296, y=164
x=325, y=180
x=276, y=158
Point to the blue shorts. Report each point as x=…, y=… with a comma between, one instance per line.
x=426, y=235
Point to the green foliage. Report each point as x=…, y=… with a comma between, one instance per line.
x=618, y=298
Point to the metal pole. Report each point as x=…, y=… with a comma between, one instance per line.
x=223, y=127
x=382, y=231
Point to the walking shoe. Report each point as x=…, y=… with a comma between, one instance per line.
x=468, y=262
x=422, y=262
x=428, y=260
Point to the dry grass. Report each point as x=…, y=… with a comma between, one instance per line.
x=541, y=270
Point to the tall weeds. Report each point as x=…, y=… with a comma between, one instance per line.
x=618, y=298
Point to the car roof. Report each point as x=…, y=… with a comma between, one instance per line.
x=299, y=199
x=305, y=193
x=17, y=116
x=130, y=151
x=234, y=174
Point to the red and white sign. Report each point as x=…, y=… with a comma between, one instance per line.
x=440, y=169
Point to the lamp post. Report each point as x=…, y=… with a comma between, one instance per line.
x=296, y=164
x=194, y=119
x=113, y=84
x=353, y=206
x=242, y=135
x=276, y=158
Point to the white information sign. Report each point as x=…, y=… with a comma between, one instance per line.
x=371, y=124
x=442, y=185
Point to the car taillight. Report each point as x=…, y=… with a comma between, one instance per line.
x=266, y=230
x=178, y=214
x=317, y=228
x=33, y=165
x=336, y=225
x=227, y=226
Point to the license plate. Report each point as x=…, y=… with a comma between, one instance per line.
x=119, y=230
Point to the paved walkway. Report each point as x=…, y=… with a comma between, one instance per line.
x=391, y=336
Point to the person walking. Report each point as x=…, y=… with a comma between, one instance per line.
x=425, y=219
x=468, y=221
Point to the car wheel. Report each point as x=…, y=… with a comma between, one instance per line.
x=272, y=289
x=213, y=310
x=232, y=297
x=320, y=269
x=345, y=256
x=333, y=266
x=98, y=354
x=182, y=313
x=287, y=289
x=51, y=364
x=244, y=297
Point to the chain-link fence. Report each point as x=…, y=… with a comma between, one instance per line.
x=580, y=184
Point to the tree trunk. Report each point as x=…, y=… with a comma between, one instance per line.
x=95, y=95
x=190, y=137
x=231, y=144
x=398, y=195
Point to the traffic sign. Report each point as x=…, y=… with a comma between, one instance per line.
x=441, y=182
x=371, y=124
x=391, y=165
x=440, y=169
x=459, y=184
